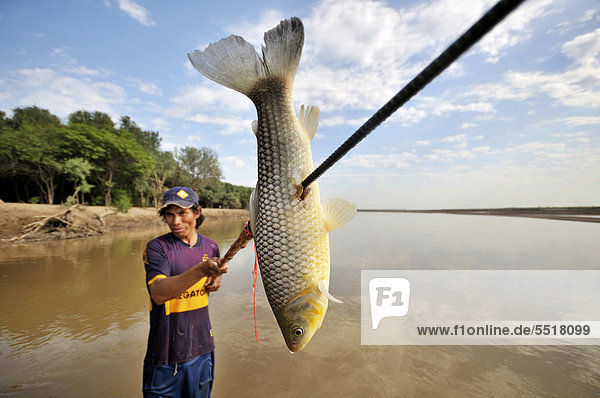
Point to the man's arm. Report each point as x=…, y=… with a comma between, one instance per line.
x=167, y=288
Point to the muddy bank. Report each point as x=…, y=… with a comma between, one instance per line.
x=81, y=221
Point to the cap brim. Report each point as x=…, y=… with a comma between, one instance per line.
x=183, y=206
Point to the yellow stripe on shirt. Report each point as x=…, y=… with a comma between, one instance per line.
x=159, y=276
x=192, y=299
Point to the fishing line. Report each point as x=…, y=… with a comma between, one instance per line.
x=486, y=23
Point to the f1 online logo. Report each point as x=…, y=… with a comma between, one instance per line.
x=388, y=297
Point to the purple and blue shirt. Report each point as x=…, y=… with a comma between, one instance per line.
x=180, y=328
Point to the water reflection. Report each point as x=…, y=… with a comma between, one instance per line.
x=74, y=317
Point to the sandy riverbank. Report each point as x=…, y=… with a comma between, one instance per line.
x=581, y=214
x=88, y=220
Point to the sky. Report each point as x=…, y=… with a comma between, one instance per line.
x=514, y=122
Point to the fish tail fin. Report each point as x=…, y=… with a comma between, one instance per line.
x=283, y=48
x=234, y=63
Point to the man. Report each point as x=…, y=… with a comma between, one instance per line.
x=182, y=267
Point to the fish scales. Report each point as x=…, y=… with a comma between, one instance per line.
x=284, y=156
x=291, y=235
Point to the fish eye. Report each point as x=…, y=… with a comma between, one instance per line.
x=298, y=331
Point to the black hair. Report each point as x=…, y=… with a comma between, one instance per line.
x=194, y=208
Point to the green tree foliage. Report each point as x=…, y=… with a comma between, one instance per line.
x=202, y=165
x=97, y=119
x=34, y=116
x=90, y=157
x=164, y=167
x=78, y=170
x=150, y=140
x=33, y=141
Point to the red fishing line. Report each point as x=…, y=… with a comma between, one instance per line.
x=254, y=277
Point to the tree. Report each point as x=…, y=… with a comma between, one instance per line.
x=124, y=160
x=163, y=168
x=201, y=164
x=148, y=139
x=62, y=161
x=77, y=170
x=33, y=140
x=97, y=119
x=34, y=116
x=31, y=147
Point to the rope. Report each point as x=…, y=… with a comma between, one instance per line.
x=451, y=54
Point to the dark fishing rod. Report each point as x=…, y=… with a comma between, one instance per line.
x=486, y=23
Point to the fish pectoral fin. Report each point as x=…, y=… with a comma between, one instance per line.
x=253, y=204
x=325, y=292
x=309, y=119
x=337, y=212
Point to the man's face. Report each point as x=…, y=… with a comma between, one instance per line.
x=182, y=222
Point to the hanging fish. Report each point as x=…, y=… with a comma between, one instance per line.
x=291, y=235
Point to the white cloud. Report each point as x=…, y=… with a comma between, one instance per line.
x=253, y=31
x=514, y=29
x=358, y=54
x=578, y=86
x=61, y=93
x=447, y=155
x=582, y=120
x=379, y=160
x=136, y=12
x=460, y=141
x=58, y=52
x=589, y=15
x=584, y=49
x=372, y=34
x=82, y=70
x=342, y=121
x=209, y=96
x=235, y=162
x=213, y=104
x=160, y=124
x=145, y=87
x=230, y=125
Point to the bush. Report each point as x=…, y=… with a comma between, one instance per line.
x=122, y=200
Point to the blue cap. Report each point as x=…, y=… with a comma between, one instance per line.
x=181, y=196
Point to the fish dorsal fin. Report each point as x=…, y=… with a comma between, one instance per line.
x=232, y=62
x=309, y=119
x=255, y=127
x=283, y=48
x=253, y=204
x=337, y=212
x=325, y=292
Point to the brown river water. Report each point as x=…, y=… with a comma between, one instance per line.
x=74, y=317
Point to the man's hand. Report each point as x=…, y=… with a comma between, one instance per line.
x=211, y=269
x=212, y=284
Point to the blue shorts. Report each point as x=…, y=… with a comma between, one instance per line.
x=191, y=379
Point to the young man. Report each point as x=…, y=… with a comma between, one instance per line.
x=182, y=267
